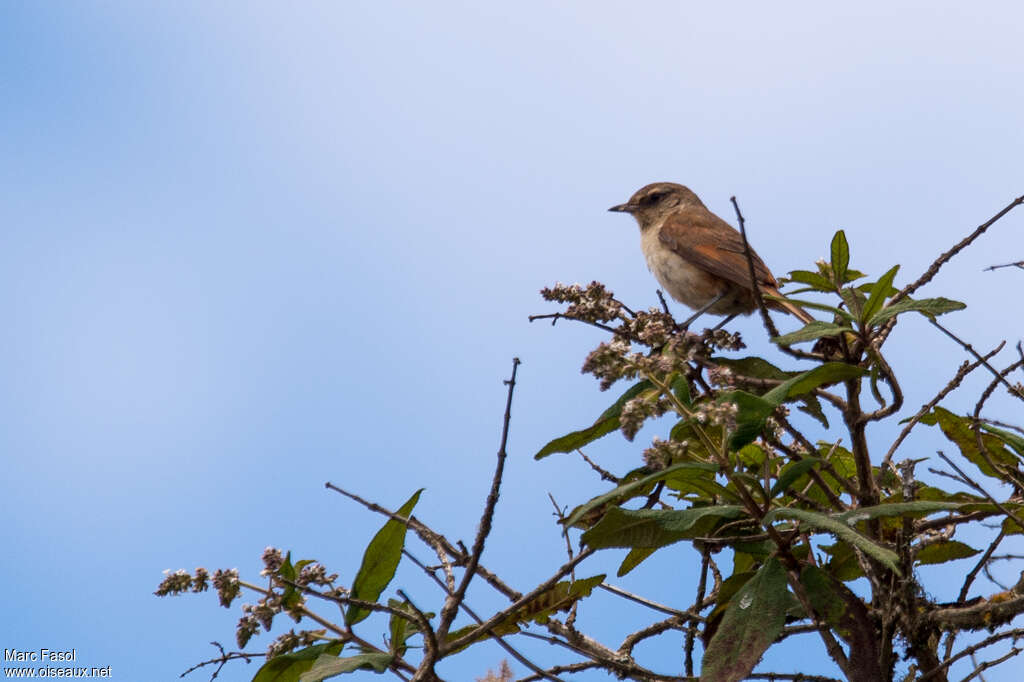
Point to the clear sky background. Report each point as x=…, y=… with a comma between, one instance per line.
x=247, y=248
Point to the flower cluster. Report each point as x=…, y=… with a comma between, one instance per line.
x=662, y=453
x=638, y=410
x=180, y=581
x=273, y=559
x=290, y=641
x=593, y=303
x=227, y=585
x=724, y=413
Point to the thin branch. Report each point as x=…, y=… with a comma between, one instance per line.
x=222, y=660
x=491, y=622
x=648, y=603
x=965, y=369
x=431, y=538
x=1018, y=264
x=605, y=474
x=472, y=614
x=1016, y=633
x=970, y=349
x=555, y=317
x=451, y=604
x=933, y=269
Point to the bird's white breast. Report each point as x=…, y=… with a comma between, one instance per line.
x=684, y=282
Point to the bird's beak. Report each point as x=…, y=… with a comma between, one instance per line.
x=622, y=208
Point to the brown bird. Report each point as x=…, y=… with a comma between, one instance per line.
x=696, y=256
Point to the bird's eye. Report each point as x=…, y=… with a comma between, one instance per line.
x=653, y=197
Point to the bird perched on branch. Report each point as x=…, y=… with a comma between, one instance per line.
x=697, y=257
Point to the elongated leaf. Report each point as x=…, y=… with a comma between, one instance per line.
x=380, y=561
x=633, y=559
x=559, y=597
x=815, y=280
x=879, y=292
x=812, y=406
x=681, y=390
x=329, y=666
x=813, y=305
x=753, y=366
x=656, y=527
x=930, y=307
x=1015, y=442
x=605, y=424
x=915, y=508
x=751, y=412
x=288, y=667
x=854, y=301
x=942, y=552
x=754, y=619
x=840, y=529
x=810, y=332
x=627, y=490
x=843, y=563
x=791, y=472
x=840, y=257
x=811, y=379
x=959, y=431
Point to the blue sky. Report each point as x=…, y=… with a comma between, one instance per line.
x=247, y=248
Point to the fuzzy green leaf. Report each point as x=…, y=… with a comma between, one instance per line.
x=656, y=527
x=810, y=332
x=929, y=307
x=605, y=424
x=288, y=667
x=754, y=618
x=380, y=561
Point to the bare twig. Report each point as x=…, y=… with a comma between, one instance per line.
x=1018, y=264
x=933, y=269
x=451, y=604
x=222, y=660
x=965, y=369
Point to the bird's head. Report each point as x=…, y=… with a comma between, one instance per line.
x=651, y=203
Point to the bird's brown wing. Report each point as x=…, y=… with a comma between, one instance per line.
x=705, y=240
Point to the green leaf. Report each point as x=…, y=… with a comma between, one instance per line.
x=681, y=390
x=813, y=305
x=401, y=629
x=754, y=619
x=840, y=257
x=791, y=472
x=329, y=666
x=288, y=667
x=879, y=292
x=843, y=563
x=854, y=301
x=942, y=552
x=751, y=412
x=628, y=490
x=810, y=332
x=605, y=424
x=822, y=595
x=804, y=382
x=653, y=528
x=929, y=307
x=960, y=432
x=812, y=406
x=915, y=508
x=840, y=529
x=634, y=559
x=380, y=561
x=1015, y=442
x=813, y=279
x=754, y=367
x=559, y=597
